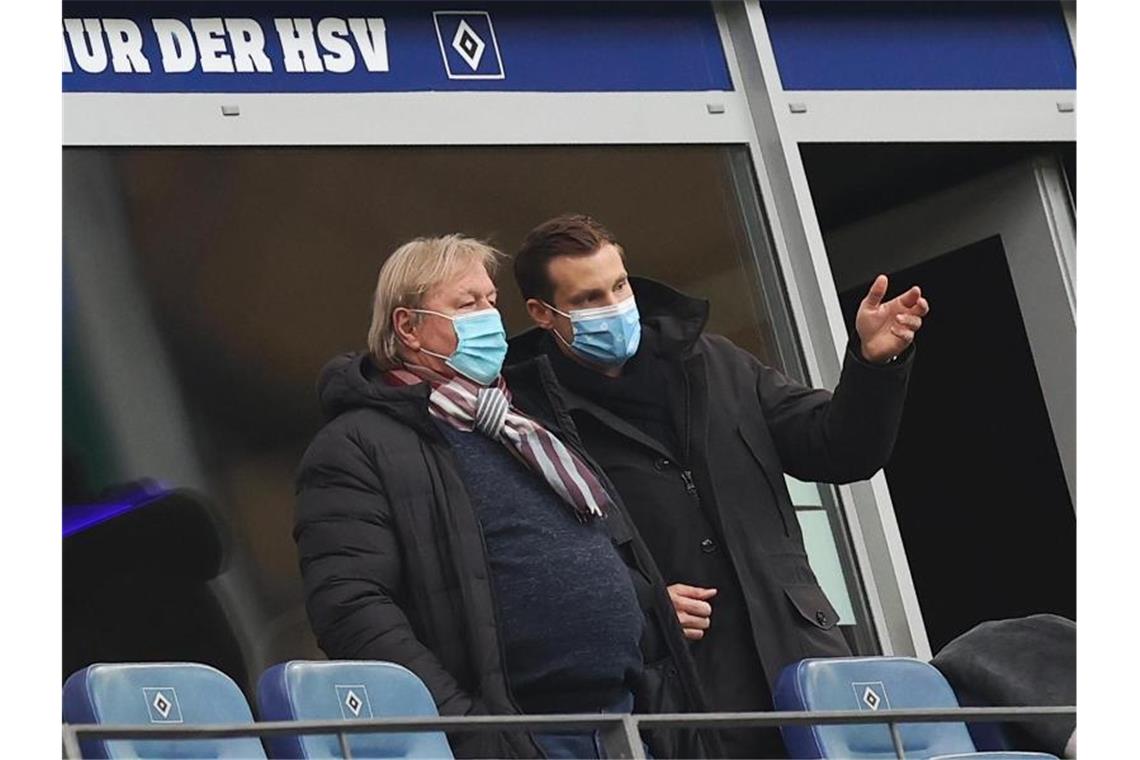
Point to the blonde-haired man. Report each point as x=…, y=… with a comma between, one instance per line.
x=440, y=528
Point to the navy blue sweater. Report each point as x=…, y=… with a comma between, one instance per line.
x=567, y=611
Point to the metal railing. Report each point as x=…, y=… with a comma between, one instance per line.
x=620, y=734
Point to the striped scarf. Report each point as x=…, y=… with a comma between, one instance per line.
x=467, y=406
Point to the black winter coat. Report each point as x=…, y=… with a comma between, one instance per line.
x=395, y=569
x=742, y=425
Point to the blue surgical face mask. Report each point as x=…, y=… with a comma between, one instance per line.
x=481, y=346
x=606, y=335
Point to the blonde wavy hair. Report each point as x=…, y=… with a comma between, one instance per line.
x=409, y=273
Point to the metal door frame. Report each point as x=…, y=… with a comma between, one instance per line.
x=1027, y=206
x=786, y=119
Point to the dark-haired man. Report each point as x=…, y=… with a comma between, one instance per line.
x=696, y=434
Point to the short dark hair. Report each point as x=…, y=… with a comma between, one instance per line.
x=564, y=235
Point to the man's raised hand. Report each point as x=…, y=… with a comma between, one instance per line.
x=886, y=329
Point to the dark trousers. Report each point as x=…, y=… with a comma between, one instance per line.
x=578, y=745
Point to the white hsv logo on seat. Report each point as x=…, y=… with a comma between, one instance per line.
x=353, y=701
x=162, y=704
x=871, y=695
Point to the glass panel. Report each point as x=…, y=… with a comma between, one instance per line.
x=259, y=263
x=824, y=561
x=803, y=494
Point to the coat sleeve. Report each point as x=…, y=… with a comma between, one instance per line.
x=351, y=564
x=836, y=437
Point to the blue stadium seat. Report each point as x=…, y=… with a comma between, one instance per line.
x=348, y=690
x=871, y=684
x=158, y=693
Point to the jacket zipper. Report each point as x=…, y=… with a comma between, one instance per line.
x=687, y=475
x=690, y=485
x=688, y=416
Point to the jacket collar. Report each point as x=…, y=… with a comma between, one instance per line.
x=352, y=381
x=679, y=318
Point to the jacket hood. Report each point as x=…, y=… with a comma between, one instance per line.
x=679, y=320
x=352, y=381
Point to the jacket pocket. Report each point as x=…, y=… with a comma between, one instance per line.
x=813, y=606
x=819, y=635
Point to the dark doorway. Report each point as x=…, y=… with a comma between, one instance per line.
x=975, y=478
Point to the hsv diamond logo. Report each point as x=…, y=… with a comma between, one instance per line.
x=162, y=704
x=353, y=701
x=468, y=45
x=871, y=695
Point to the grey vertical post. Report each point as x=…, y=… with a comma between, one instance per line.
x=867, y=508
x=896, y=740
x=345, y=750
x=70, y=743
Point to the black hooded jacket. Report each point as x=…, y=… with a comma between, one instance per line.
x=395, y=569
x=739, y=425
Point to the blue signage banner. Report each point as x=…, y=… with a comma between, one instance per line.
x=391, y=47
x=939, y=45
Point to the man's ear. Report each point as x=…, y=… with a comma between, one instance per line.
x=539, y=313
x=404, y=324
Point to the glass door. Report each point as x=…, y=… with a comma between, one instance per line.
x=983, y=475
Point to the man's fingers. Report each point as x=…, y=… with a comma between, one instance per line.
x=692, y=606
x=909, y=320
x=902, y=333
x=920, y=308
x=692, y=611
x=692, y=592
x=877, y=291
x=910, y=298
x=692, y=621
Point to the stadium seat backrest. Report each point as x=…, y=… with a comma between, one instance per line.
x=869, y=684
x=348, y=690
x=158, y=694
